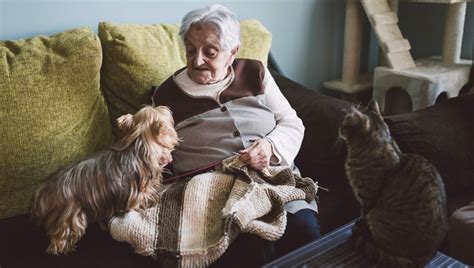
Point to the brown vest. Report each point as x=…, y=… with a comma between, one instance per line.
x=248, y=81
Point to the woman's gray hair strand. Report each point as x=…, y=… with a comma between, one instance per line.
x=228, y=28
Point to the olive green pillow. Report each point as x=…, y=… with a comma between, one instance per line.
x=256, y=41
x=137, y=57
x=51, y=110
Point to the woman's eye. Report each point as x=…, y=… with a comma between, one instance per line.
x=211, y=53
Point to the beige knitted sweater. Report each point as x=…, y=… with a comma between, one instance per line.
x=196, y=219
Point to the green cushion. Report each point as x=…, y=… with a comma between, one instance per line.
x=137, y=57
x=256, y=41
x=51, y=110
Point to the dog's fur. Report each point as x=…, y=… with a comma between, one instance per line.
x=124, y=178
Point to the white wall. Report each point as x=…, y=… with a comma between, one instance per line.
x=423, y=25
x=307, y=36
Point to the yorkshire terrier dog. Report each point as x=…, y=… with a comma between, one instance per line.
x=124, y=178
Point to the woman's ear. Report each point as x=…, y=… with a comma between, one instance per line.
x=235, y=50
x=125, y=122
x=233, y=54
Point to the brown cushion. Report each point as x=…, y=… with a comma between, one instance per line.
x=444, y=134
x=461, y=234
x=323, y=153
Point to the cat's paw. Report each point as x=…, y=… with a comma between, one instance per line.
x=357, y=241
x=359, y=225
x=360, y=233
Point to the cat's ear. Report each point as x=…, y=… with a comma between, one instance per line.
x=373, y=106
x=353, y=121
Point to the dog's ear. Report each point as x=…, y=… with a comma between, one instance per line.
x=125, y=122
x=164, y=133
x=166, y=113
x=166, y=120
x=155, y=127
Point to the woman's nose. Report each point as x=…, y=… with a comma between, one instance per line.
x=199, y=59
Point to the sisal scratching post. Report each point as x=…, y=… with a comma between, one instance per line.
x=454, y=27
x=351, y=81
x=352, y=43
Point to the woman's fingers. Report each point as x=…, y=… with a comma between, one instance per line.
x=250, y=153
x=248, y=149
x=257, y=155
x=259, y=165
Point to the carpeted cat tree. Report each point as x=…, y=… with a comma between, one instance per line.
x=421, y=81
x=424, y=80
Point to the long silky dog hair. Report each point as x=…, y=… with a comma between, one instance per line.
x=114, y=181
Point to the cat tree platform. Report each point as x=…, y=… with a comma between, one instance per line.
x=429, y=78
x=423, y=80
x=424, y=83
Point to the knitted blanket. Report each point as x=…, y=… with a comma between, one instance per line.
x=195, y=220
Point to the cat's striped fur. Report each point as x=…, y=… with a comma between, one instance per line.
x=402, y=197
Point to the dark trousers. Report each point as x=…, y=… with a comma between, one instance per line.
x=252, y=251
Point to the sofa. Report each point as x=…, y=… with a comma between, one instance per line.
x=60, y=96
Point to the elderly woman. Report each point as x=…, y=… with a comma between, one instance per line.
x=223, y=106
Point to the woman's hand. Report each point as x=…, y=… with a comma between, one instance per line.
x=258, y=154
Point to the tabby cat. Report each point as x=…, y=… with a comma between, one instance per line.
x=403, y=202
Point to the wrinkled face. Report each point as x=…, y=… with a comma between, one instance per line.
x=207, y=62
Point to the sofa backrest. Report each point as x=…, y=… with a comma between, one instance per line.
x=443, y=134
x=52, y=108
x=52, y=112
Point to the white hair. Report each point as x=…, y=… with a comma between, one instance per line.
x=227, y=25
